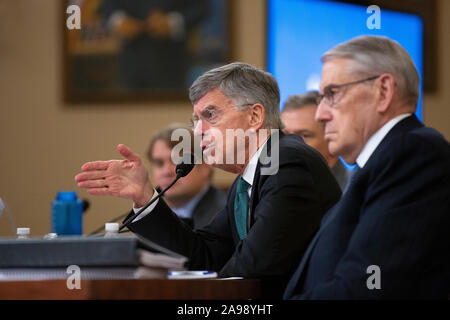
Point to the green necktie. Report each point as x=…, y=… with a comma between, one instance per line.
x=240, y=207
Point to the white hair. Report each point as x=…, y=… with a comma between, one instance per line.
x=375, y=55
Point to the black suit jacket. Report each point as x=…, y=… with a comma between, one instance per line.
x=212, y=202
x=395, y=215
x=285, y=211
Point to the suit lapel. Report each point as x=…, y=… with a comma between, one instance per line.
x=254, y=194
x=405, y=125
x=266, y=153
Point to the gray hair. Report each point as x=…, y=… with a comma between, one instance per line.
x=298, y=101
x=376, y=55
x=245, y=85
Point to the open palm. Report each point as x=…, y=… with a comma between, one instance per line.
x=126, y=178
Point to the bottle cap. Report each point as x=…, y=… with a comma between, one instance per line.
x=111, y=227
x=23, y=231
x=66, y=196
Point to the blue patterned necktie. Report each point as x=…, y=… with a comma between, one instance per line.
x=240, y=207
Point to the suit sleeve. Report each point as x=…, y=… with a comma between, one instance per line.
x=286, y=218
x=207, y=248
x=289, y=209
x=403, y=229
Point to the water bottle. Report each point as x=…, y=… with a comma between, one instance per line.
x=67, y=214
x=23, y=233
x=112, y=230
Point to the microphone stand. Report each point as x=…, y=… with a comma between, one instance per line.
x=130, y=219
x=182, y=169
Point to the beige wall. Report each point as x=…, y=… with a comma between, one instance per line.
x=44, y=142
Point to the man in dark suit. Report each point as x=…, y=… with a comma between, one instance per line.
x=194, y=199
x=388, y=236
x=275, y=204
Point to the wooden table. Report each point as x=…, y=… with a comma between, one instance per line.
x=158, y=289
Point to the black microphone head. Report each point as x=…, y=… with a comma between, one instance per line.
x=86, y=204
x=186, y=165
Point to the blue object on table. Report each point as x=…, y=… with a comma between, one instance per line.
x=67, y=214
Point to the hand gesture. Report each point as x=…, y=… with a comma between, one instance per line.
x=119, y=178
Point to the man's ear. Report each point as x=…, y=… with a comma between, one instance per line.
x=387, y=87
x=257, y=114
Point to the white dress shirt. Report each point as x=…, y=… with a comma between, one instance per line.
x=250, y=170
x=376, y=139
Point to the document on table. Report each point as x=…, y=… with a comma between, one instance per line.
x=192, y=274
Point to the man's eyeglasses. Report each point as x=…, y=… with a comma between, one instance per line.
x=330, y=92
x=211, y=114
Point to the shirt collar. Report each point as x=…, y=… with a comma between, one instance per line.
x=376, y=139
x=250, y=169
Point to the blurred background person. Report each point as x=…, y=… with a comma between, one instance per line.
x=298, y=117
x=192, y=198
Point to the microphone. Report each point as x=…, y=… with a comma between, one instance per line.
x=86, y=205
x=185, y=166
x=182, y=169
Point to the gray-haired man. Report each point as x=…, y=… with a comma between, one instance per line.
x=388, y=235
x=270, y=216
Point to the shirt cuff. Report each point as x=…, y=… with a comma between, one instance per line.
x=148, y=210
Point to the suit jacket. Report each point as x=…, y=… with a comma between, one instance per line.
x=284, y=209
x=213, y=201
x=395, y=215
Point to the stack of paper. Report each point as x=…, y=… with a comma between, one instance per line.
x=128, y=257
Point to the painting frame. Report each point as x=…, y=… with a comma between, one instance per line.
x=74, y=71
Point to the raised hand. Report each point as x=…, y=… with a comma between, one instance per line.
x=119, y=178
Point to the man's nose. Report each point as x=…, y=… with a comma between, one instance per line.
x=201, y=128
x=323, y=112
x=198, y=129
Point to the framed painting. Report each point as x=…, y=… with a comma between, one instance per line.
x=141, y=50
